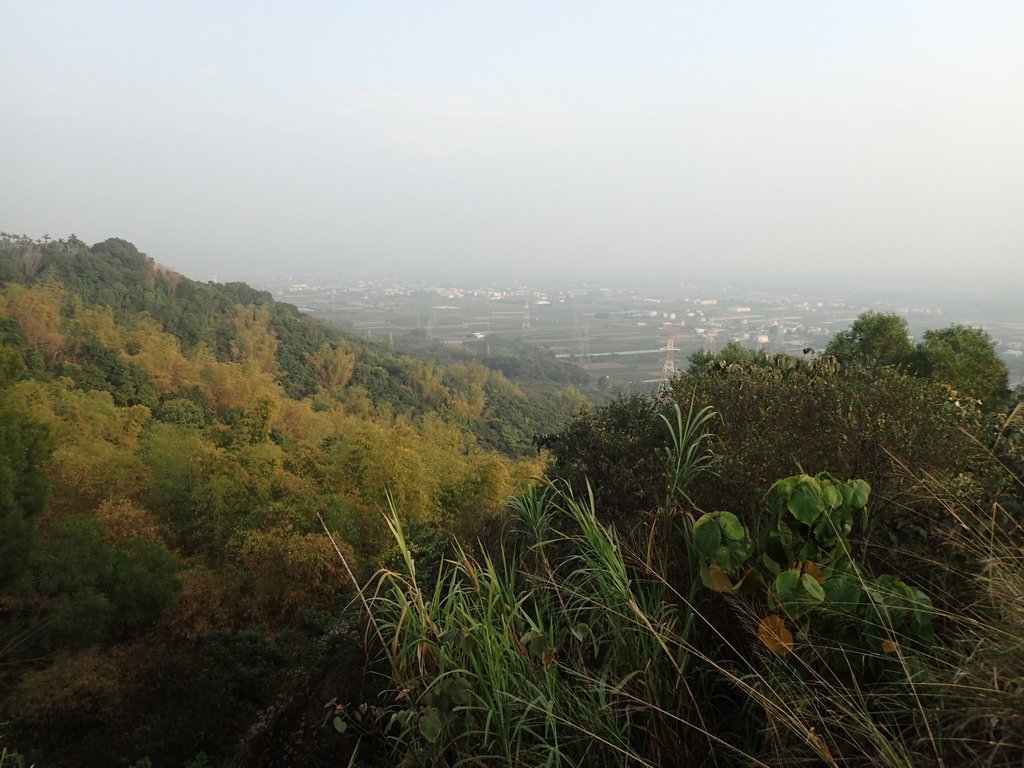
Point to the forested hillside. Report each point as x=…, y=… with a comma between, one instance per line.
x=170, y=449
x=233, y=536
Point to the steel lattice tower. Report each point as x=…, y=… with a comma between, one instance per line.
x=668, y=366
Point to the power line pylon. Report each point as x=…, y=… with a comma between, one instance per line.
x=668, y=364
x=583, y=338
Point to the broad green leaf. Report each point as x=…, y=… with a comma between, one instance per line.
x=805, y=502
x=452, y=634
x=844, y=522
x=462, y=693
x=534, y=641
x=846, y=491
x=860, y=492
x=923, y=612
x=530, y=636
x=831, y=496
x=843, y=594
x=430, y=725
x=812, y=587
x=812, y=568
x=720, y=558
x=809, y=551
x=792, y=594
x=787, y=584
x=340, y=725
x=731, y=527
x=706, y=536
x=721, y=539
x=783, y=531
x=825, y=531
x=785, y=486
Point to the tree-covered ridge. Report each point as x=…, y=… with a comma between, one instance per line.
x=109, y=317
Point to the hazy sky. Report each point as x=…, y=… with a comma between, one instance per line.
x=677, y=138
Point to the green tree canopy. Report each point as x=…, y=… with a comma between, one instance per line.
x=965, y=359
x=733, y=352
x=24, y=485
x=875, y=339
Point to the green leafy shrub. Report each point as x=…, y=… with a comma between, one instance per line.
x=805, y=583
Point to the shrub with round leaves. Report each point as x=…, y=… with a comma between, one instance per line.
x=723, y=544
x=814, y=589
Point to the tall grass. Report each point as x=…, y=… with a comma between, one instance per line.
x=977, y=705
x=11, y=759
x=958, y=701
x=575, y=645
x=482, y=662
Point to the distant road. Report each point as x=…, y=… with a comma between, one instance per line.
x=609, y=354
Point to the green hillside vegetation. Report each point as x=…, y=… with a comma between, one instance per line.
x=169, y=451
x=775, y=561
x=233, y=536
x=112, y=318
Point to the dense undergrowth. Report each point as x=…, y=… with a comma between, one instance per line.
x=690, y=639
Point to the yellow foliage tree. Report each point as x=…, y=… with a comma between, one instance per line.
x=254, y=341
x=427, y=383
x=234, y=385
x=94, y=443
x=301, y=425
x=468, y=383
x=285, y=571
x=207, y=601
x=333, y=365
x=83, y=477
x=159, y=354
x=89, y=683
x=570, y=401
x=99, y=322
x=38, y=311
x=122, y=519
x=372, y=461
